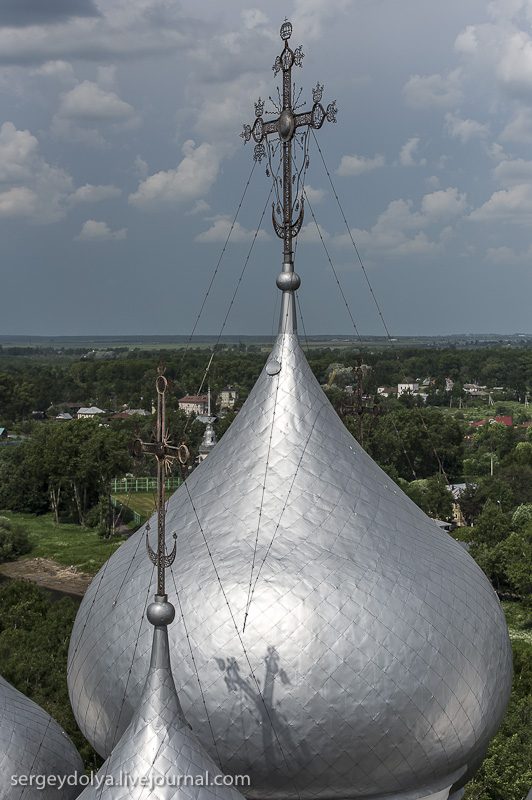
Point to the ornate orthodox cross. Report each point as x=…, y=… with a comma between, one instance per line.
x=165, y=454
x=285, y=126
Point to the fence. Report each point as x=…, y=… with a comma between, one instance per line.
x=146, y=484
x=126, y=513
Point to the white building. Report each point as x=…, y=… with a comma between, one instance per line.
x=194, y=404
x=89, y=413
x=386, y=391
x=409, y=386
x=228, y=397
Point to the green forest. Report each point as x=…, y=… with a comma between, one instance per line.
x=61, y=472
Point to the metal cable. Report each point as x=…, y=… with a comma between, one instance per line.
x=399, y=439
x=427, y=431
x=307, y=346
x=377, y=306
x=250, y=591
x=285, y=502
x=30, y=771
x=196, y=670
x=219, y=260
x=226, y=599
x=108, y=760
x=332, y=267
x=240, y=278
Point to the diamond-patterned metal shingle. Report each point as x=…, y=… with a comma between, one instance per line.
x=379, y=646
x=33, y=744
x=158, y=756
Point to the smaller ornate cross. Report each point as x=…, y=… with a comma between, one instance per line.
x=165, y=454
x=285, y=126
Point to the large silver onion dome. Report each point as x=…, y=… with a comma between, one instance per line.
x=32, y=744
x=158, y=755
x=375, y=658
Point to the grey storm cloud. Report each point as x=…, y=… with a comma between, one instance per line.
x=23, y=13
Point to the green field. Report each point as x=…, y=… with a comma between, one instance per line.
x=69, y=545
x=474, y=412
x=143, y=503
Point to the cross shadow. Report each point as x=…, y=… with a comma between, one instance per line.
x=277, y=738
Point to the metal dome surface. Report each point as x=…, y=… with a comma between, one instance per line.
x=375, y=659
x=158, y=755
x=32, y=744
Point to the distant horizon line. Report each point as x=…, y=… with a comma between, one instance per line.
x=6, y=338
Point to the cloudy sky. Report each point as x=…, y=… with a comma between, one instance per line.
x=121, y=165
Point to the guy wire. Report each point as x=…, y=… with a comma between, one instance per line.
x=377, y=306
x=213, y=276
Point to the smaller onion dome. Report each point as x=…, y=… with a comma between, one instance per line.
x=37, y=759
x=158, y=755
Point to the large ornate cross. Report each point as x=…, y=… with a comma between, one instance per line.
x=285, y=126
x=165, y=454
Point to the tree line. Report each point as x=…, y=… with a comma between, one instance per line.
x=34, y=382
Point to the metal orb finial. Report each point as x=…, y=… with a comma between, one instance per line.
x=286, y=30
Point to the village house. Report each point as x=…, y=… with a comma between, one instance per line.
x=474, y=390
x=194, y=404
x=503, y=419
x=227, y=397
x=89, y=413
x=408, y=386
x=386, y=391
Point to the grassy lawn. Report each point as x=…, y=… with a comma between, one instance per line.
x=66, y=544
x=144, y=503
x=141, y=502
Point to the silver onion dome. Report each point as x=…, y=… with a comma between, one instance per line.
x=332, y=643
x=33, y=747
x=375, y=658
x=158, y=755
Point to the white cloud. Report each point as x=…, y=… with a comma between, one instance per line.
x=356, y=165
x=88, y=109
x=312, y=16
x=219, y=230
x=200, y=207
x=94, y=194
x=253, y=18
x=88, y=102
x=466, y=42
x=433, y=91
x=408, y=152
x=18, y=201
x=507, y=205
x=503, y=256
x=94, y=231
x=400, y=230
x=313, y=195
x=513, y=171
x=465, y=129
x=29, y=186
x=495, y=151
x=140, y=167
x=125, y=30
x=191, y=179
x=519, y=129
x=500, y=51
x=309, y=234
x=514, y=69
x=442, y=205
x=57, y=70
